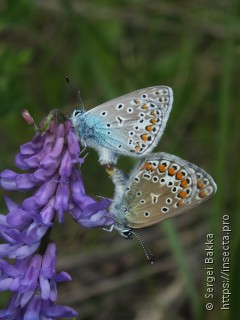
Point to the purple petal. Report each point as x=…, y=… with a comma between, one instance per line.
x=9, y=269
x=66, y=166
x=77, y=186
x=62, y=277
x=43, y=174
x=72, y=139
x=20, y=162
x=41, y=231
x=31, y=147
x=49, y=261
x=7, y=234
x=60, y=312
x=5, y=284
x=45, y=288
x=78, y=204
x=35, y=160
x=29, y=204
x=24, y=298
x=8, y=179
x=3, y=221
x=33, y=309
x=61, y=200
x=30, y=279
x=46, y=191
x=10, y=204
x=18, y=218
x=15, y=284
x=73, y=144
x=23, y=251
x=55, y=153
x=98, y=219
x=34, y=233
x=48, y=212
x=95, y=207
x=60, y=131
x=53, y=291
x=5, y=249
x=26, y=182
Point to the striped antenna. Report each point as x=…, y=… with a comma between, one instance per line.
x=77, y=95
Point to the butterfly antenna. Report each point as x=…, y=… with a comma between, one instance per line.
x=150, y=257
x=77, y=95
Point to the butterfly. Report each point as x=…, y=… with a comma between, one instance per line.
x=161, y=186
x=130, y=125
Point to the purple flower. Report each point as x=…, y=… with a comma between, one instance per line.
x=33, y=281
x=51, y=173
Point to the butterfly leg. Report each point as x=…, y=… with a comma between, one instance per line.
x=110, y=229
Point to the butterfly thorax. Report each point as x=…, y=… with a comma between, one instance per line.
x=85, y=127
x=120, y=210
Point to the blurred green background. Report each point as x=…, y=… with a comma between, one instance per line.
x=108, y=48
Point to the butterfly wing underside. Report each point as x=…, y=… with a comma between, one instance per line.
x=164, y=186
x=133, y=123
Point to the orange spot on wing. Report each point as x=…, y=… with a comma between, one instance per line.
x=136, y=101
x=184, y=183
x=153, y=113
x=153, y=168
x=143, y=166
x=149, y=128
x=182, y=194
x=202, y=194
x=179, y=175
x=171, y=171
x=162, y=168
x=137, y=148
x=144, y=137
x=200, y=184
x=180, y=203
x=144, y=106
x=153, y=121
x=148, y=166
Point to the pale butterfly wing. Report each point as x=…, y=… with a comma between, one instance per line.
x=162, y=187
x=133, y=123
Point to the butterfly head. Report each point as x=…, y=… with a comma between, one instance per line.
x=76, y=117
x=124, y=231
x=77, y=113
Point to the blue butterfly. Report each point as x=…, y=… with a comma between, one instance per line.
x=130, y=125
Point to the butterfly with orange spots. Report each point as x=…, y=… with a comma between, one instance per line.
x=160, y=187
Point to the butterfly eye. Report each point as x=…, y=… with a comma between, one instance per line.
x=77, y=112
x=127, y=233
